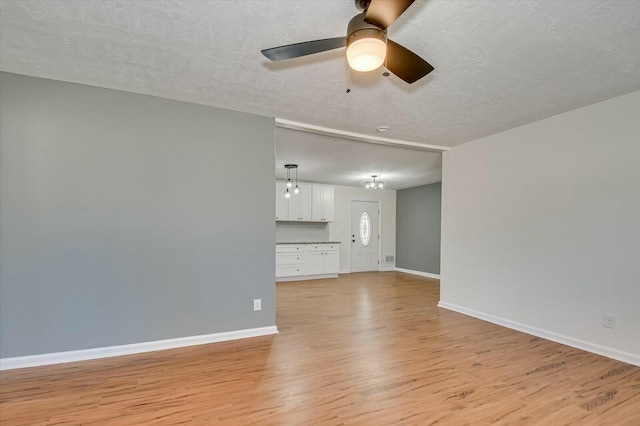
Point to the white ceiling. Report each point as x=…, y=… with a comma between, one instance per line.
x=337, y=161
x=498, y=63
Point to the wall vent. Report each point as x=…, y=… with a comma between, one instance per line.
x=388, y=258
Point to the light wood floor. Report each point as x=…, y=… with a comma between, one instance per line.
x=365, y=349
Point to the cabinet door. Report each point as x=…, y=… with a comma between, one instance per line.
x=316, y=204
x=304, y=202
x=315, y=263
x=300, y=204
x=294, y=206
x=327, y=204
x=282, y=204
x=331, y=262
x=322, y=204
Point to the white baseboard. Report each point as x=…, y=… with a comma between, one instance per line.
x=422, y=274
x=305, y=278
x=345, y=271
x=387, y=268
x=595, y=348
x=134, y=348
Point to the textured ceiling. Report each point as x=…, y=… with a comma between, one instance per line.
x=499, y=63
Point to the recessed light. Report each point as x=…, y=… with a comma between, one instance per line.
x=382, y=128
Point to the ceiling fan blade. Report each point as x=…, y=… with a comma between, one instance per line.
x=406, y=64
x=291, y=51
x=383, y=12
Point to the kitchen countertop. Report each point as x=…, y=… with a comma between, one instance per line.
x=311, y=242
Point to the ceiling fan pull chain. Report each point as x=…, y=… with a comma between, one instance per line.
x=348, y=79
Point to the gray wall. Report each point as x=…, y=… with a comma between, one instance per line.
x=127, y=218
x=418, y=228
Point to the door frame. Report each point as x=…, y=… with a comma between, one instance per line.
x=379, y=203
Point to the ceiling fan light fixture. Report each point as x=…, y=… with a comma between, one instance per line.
x=366, y=54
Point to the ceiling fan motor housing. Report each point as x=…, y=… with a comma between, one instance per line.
x=362, y=4
x=358, y=28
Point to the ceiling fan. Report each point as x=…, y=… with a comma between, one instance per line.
x=367, y=45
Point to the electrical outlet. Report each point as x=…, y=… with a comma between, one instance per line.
x=609, y=321
x=257, y=304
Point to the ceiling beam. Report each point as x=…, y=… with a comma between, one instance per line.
x=360, y=137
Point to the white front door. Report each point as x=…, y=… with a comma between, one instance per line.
x=364, y=236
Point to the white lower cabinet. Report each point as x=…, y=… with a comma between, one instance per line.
x=307, y=261
x=322, y=259
x=315, y=263
x=290, y=260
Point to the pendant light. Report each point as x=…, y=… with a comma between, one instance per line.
x=296, y=190
x=289, y=184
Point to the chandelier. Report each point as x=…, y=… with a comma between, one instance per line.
x=373, y=184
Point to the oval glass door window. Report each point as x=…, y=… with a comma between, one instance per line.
x=365, y=229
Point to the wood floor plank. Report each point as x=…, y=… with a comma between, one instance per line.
x=363, y=349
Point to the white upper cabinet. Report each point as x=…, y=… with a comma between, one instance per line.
x=300, y=204
x=295, y=208
x=322, y=205
x=328, y=204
